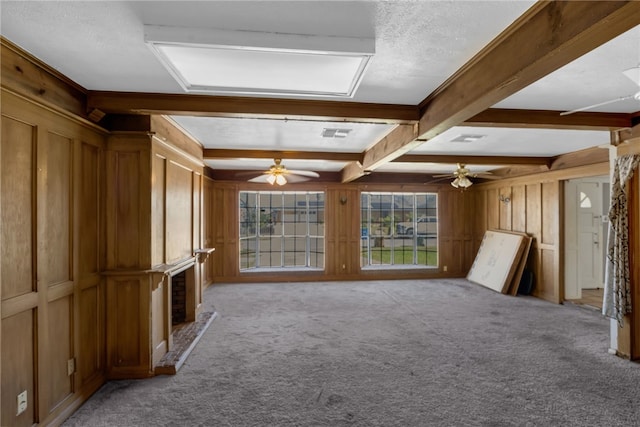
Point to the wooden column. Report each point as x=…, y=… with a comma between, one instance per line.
x=154, y=227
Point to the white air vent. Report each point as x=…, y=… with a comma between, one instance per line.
x=335, y=133
x=468, y=138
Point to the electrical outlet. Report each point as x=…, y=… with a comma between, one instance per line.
x=22, y=402
x=71, y=366
x=444, y=268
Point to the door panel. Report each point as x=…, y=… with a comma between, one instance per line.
x=589, y=235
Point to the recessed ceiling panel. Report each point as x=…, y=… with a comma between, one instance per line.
x=254, y=62
x=261, y=134
x=513, y=141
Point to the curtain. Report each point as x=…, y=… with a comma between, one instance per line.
x=617, y=292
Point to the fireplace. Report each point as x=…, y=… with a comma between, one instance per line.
x=179, y=298
x=182, y=285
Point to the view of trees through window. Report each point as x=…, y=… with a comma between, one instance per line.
x=399, y=229
x=281, y=229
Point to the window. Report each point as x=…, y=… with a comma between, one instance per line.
x=281, y=229
x=399, y=229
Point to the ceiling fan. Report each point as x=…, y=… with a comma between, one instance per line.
x=633, y=74
x=461, y=176
x=280, y=175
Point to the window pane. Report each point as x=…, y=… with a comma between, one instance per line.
x=286, y=229
x=247, y=253
x=247, y=214
x=399, y=229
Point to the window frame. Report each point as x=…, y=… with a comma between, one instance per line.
x=314, y=243
x=394, y=225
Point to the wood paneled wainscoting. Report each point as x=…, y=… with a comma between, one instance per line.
x=531, y=204
x=153, y=224
x=53, y=297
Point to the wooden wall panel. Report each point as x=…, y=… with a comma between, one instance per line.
x=89, y=210
x=550, y=211
x=547, y=288
x=50, y=181
x=90, y=362
x=60, y=332
x=533, y=211
x=18, y=361
x=196, y=219
x=127, y=190
x=518, y=208
x=479, y=213
x=225, y=212
x=58, y=216
x=158, y=326
x=504, y=209
x=179, y=211
x=493, y=211
x=17, y=193
x=208, y=229
x=342, y=234
x=197, y=240
x=454, y=230
x=126, y=312
x=158, y=202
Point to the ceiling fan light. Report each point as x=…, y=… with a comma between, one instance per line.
x=456, y=183
x=464, y=182
x=633, y=74
x=271, y=179
x=280, y=180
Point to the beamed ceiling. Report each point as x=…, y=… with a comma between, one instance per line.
x=442, y=72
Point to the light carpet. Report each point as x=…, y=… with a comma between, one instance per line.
x=383, y=353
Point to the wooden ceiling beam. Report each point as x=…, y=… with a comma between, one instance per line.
x=398, y=137
x=223, y=153
x=218, y=153
x=548, y=36
x=235, y=106
x=548, y=119
x=473, y=160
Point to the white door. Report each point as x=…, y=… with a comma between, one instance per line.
x=590, y=261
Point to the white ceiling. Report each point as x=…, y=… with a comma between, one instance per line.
x=419, y=44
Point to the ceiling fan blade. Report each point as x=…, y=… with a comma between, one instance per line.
x=249, y=173
x=262, y=179
x=449, y=175
x=435, y=179
x=310, y=174
x=622, y=98
x=293, y=178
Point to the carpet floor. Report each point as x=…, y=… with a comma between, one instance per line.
x=383, y=353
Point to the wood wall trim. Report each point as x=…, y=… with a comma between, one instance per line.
x=549, y=176
x=547, y=119
x=587, y=156
x=28, y=76
x=167, y=129
x=52, y=108
x=233, y=106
